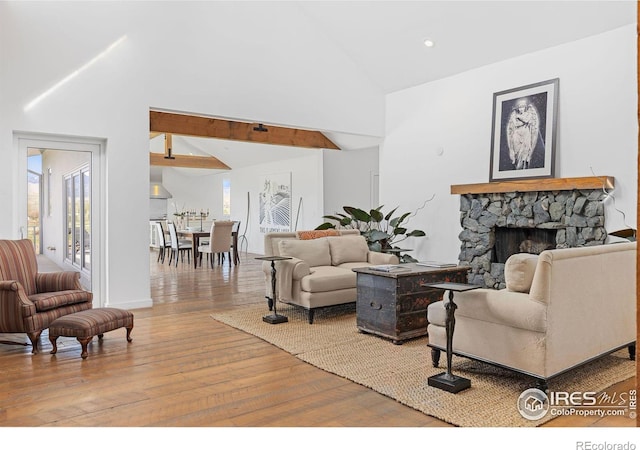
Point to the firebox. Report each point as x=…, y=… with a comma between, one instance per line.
x=521, y=240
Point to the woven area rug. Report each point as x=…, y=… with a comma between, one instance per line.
x=400, y=372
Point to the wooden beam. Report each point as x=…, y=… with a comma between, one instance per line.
x=186, y=125
x=538, y=184
x=194, y=162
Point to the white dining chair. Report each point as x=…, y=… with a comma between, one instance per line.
x=219, y=241
x=178, y=246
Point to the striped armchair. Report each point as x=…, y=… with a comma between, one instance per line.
x=30, y=301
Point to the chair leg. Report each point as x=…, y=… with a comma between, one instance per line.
x=435, y=357
x=34, y=337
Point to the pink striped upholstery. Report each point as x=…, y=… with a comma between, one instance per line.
x=91, y=323
x=30, y=301
x=18, y=262
x=87, y=324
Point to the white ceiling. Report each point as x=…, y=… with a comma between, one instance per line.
x=386, y=45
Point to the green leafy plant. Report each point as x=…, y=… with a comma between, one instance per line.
x=383, y=232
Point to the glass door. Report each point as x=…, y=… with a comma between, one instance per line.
x=77, y=187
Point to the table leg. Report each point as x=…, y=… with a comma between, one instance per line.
x=195, y=242
x=275, y=317
x=236, y=255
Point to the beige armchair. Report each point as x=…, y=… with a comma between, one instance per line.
x=559, y=310
x=30, y=301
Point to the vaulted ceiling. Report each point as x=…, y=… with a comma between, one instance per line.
x=385, y=41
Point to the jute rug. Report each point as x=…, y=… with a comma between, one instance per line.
x=334, y=344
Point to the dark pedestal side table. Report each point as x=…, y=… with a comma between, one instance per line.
x=274, y=317
x=447, y=380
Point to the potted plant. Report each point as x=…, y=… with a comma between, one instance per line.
x=383, y=232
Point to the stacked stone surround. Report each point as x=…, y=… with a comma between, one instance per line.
x=577, y=216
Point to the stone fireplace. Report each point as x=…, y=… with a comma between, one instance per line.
x=502, y=218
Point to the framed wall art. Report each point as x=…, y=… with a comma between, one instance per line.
x=275, y=203
x=523, y=133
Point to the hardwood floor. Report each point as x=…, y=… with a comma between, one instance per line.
x=184, y=369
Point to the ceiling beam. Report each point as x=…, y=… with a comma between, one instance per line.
x=186, y=125
x=190, y=161
x=193, y=162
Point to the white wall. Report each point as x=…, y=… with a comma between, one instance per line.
x=246, y=185
x=597, y=129
x=192, y=191
x=324, y=177
x=347, y=179
x=197, y=57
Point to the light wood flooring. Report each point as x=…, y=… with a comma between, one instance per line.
x=184, y=369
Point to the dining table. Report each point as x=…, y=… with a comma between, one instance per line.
x=195, y=235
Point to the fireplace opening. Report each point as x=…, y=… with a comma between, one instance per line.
x=521, y=240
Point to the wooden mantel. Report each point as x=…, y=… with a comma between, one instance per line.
x=537, y=184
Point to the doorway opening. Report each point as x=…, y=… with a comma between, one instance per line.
x=60, y=205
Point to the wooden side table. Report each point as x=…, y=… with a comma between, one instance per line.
x=274, y=317
x=394, y=305
x=447, y=380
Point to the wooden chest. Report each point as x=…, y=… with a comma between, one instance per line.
x=394, y=304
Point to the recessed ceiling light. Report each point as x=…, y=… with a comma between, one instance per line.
x=429, y=43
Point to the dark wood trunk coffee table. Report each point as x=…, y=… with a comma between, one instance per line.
x=394, y=304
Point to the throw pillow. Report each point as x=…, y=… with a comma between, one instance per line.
x=315, y=234
x=519, y=270
x=314, y=252
x=346, y=249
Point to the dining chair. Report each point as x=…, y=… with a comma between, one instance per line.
x=163, y=245
x=219, y=241
x=178, y=246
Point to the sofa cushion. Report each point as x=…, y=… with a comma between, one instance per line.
x=314, y=252
x=47, y=301
x=502, y=307
x=346, y=249
x=519, y=270
x=328, y=278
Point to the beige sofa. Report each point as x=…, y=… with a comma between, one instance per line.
x=559, y=310
x=319, y=274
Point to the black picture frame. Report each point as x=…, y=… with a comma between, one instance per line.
x=523, y=132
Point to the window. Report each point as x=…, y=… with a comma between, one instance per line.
x=226, y=197
x=78, y=218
